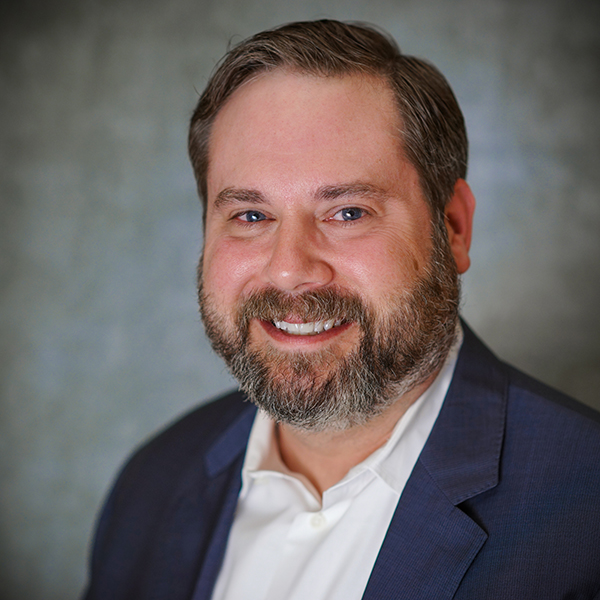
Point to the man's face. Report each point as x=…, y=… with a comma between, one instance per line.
x=320, y=284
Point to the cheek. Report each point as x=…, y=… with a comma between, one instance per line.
x=227, y=270
x=386, y=262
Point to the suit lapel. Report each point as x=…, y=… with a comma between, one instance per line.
x=225, y=459
x=194, y=537
x=431, y=542
x=429, y=545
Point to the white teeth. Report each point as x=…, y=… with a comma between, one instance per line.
x=307, y=328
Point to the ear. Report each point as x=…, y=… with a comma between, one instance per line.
x=459, y=223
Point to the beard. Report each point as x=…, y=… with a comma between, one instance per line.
x=401, y=345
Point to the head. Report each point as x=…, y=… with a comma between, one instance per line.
x=336, y=221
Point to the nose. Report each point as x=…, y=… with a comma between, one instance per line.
x=297, y=260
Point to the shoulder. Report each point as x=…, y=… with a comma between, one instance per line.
x=528, y=395
x=530, y=405
x=166, y=489
x=183, y=444
x=175, y=461
x=199, y=428
x=551, y=437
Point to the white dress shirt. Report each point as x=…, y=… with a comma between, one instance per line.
x=288, y=544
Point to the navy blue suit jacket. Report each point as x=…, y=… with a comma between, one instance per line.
x=503, y=503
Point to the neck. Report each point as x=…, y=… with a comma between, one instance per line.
x=324, y=457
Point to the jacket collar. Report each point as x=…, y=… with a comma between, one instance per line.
x=462, y=454
x=231, y=444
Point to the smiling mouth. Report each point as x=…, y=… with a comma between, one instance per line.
x=312, y=328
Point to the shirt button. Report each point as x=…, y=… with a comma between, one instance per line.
x=318, y=520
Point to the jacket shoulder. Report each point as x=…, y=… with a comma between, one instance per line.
x=555, y=435
x=527, y=389
x=164, y=491
x=182, y=445
x=198, y=429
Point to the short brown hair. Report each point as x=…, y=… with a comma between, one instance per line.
x=432, y=125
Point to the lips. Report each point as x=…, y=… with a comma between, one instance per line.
x=310, y=328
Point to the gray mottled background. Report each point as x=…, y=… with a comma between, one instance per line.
x=100, y=227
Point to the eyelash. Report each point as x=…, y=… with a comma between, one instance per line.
x=238, y=217
x=362, y=211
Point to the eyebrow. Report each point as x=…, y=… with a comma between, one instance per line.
x=231, y=195
x=333, y=192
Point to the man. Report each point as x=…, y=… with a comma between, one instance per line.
x=392, y=455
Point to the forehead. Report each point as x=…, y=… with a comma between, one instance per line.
x=286, y=117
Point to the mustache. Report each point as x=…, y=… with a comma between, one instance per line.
x=271, y=304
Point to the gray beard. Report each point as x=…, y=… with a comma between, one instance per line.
x=317, y=391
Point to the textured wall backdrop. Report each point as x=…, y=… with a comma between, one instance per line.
x=100, y=227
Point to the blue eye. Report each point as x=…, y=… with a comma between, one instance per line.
x=352, y=213
x=252, y=216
